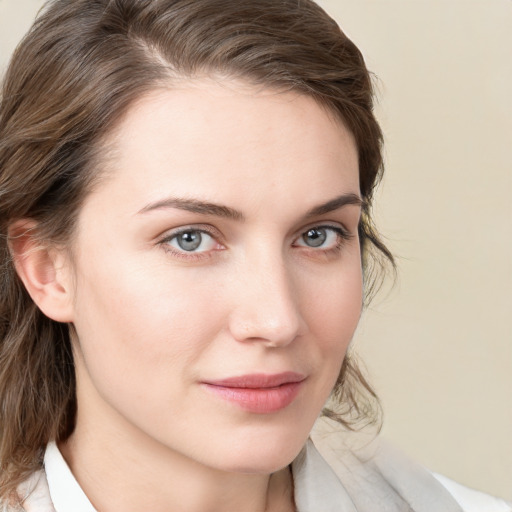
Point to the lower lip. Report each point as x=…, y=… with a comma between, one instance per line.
x=258, y=400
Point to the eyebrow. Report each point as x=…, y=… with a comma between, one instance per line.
x=195, y=206
x=217, y=210
x=336, y=204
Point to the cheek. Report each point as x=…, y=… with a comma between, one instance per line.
x=333, y=309
x=333, y=304
x=139, y=317
x=139, y=293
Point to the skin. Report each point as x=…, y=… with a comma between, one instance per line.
x=154, y=321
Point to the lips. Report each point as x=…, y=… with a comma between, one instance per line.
x=258, y=393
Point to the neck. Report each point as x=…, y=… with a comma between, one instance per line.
x=120, y=469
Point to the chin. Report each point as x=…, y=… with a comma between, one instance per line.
x=266, y=453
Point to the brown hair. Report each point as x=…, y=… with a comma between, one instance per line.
x=70, y=80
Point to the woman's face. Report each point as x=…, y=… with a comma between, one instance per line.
x=217, y=274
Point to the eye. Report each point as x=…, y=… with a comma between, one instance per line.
x=323, y=237
x=191, y=240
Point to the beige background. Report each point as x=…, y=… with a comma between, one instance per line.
x=439, y=345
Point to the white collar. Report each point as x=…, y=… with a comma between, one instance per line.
x=66, y=494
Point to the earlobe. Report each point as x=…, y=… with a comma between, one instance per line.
x=43, y=269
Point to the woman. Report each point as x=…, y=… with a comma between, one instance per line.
x=186, y=220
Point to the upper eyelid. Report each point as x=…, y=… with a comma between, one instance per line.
x=202, y=228
x=340, y=230
x=336, y=226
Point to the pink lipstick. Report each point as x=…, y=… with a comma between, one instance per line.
x=258, y=393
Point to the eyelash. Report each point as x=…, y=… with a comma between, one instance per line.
x=342, y=236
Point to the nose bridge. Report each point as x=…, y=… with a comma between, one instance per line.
x=267, y=307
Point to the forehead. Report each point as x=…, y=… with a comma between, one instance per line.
x=217, y=139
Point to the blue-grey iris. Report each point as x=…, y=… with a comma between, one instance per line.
x=315, y=237
x=189, y=240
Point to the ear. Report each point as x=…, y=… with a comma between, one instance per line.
x=44, y=270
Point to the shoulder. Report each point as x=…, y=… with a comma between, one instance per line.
x=471, y=500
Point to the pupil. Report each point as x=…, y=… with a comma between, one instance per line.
x=190, y=240
x=315, y=237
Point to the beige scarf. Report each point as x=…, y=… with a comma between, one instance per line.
x=331, y=476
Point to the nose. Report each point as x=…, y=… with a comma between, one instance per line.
x=267, y=305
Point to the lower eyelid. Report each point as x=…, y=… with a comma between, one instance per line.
x=188, y=256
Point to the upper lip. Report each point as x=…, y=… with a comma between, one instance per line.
x=258, y=380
